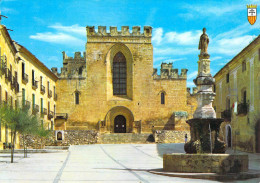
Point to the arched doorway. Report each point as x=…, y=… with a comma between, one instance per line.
x=228, y=136
x=113, y=115
x=120, y=124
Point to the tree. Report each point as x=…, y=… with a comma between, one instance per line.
x=18, y=120
x=43, y=133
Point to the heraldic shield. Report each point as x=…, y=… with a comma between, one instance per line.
x=251, y=13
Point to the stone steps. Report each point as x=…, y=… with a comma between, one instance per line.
x=125, y=138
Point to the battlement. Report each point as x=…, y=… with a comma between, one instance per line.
x=73, y=67
x=168, y=72
x=194, y=90
x=77, y=57
x=102, y=31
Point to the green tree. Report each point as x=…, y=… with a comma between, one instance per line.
x=19, y=120
x=43, y=133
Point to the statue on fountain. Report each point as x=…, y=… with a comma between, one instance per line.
x=204, y=41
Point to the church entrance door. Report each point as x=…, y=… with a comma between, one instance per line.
x=120, y=124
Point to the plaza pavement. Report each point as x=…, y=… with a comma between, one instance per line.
x=98, y=163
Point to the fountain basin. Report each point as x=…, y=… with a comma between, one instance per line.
x=204, y=136
x=205, y=163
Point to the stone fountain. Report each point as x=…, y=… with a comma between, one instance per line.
x=204, y=151
x=204, y=126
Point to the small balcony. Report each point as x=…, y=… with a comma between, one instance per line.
x=16, y=88
x=34, y=85
x=43, y=111
x=8, y=75
x=226, y=115
x=242, y=109
x=26, y=104
x=50, y=115
x=55, y=96
x=2, y=67
x=49, y=93
x=35, y=109
x=61, y=116
x=14, y=81
x=42, y=89
x=25, y=78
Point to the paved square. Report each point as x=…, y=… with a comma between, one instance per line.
x=95, y=163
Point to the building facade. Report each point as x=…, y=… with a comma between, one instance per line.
x=238, y=99
x=114, y=88
x=25, y=81
x=9, y=87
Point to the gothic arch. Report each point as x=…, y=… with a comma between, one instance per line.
x=116, y=111
x=115, y=49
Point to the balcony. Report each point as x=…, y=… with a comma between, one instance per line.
x=16, y=88
x=61, y=116
x=13, y=83
x=42, y=89
x=242, y=109
x=34, y=85
x=55, y=96
x=2, y=67
x=49, y=93
x=35, y=109
x=43, y=111
x=25, y=78
x=26, y=104
x=50, y=115
x=226, y=115
x=8, y=75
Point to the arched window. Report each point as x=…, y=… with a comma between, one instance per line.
x=59, y=136
x=76, y=97
x=162, y=98
x=119, y=74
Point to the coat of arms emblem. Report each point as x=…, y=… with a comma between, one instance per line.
x=251, y=13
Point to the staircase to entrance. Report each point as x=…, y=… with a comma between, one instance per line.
x=125, y=138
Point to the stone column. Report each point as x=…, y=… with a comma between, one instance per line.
x=205, y=95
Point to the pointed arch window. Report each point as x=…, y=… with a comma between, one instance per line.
x=162, y=98
x=119, y=74
x=76, y=97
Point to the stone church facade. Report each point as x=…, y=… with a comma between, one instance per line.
x=114, y=88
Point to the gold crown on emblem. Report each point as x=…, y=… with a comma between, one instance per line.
x=251, y=6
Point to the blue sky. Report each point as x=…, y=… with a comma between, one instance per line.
x=49, y=27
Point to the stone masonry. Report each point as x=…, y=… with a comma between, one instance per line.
x=91, y=78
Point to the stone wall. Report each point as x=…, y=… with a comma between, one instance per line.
x=71, y=137
x=205, y=163
x=170, y=136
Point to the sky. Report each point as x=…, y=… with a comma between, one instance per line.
x=47, y=28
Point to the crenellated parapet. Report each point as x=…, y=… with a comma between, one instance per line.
x=168, y=72
x=125, y=35
x=73, y=67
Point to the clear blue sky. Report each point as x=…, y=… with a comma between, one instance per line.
x=48, y=27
